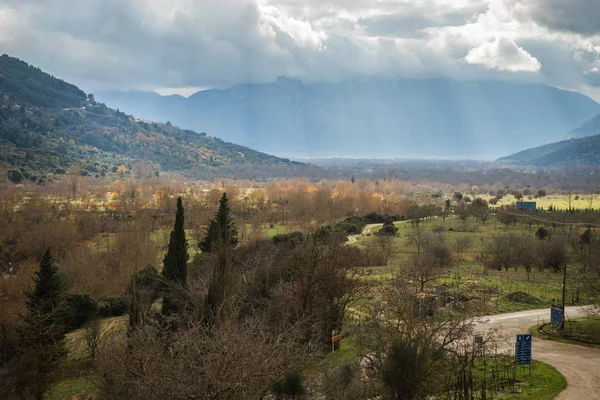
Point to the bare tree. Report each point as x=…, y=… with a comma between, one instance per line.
x=418, y=237
x=460, y=245
x=92, y=336
x=422, y=269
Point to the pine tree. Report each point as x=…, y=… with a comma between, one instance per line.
x=175, y=262
x=48, y=287
x=221, y=230
x=42, y=334
x=221, y=237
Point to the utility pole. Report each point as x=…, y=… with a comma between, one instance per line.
x=564, y=291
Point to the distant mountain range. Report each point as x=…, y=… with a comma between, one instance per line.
x=581, y=148
x=373, y=117
x=47, y=124
x=589, y=128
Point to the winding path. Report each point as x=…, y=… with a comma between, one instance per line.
x=580, y=365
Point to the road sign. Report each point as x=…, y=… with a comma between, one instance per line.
x=523, y=349
x=335, y=340
x=556, y=315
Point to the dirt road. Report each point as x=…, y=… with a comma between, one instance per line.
x=579, y=364
x=367, y=230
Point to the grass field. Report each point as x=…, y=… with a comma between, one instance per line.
x=542, y=382
x=502, y=291
x=584, y=330
x=558, y=201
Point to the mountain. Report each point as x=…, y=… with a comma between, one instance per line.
x=373, y=117
x=47, y=124
x=589, y=128
x=581, y=151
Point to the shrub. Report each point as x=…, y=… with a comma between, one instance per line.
x=15, y=176
x=112, y=306
x=388, y=229
x=542, y=233
x=78, y=309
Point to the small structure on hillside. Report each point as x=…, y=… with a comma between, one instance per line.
x=527, y=206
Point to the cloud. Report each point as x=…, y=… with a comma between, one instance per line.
x=150, y=44
x=503, y=55
x=577, y=16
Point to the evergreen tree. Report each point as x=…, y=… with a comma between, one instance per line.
x=221, y=230
x=221, y=237
x=42, y=334
x=48, y=287
x=175, y=262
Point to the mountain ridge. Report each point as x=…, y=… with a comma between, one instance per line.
x=47, y=125
x=374, y=117
x=568, y=152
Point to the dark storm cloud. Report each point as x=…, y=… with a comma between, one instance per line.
x=578, y=16
x=149, y=44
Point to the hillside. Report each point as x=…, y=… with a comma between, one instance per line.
x=589, y=128
x=374, y=117
x=46, y=125
x=581, y=151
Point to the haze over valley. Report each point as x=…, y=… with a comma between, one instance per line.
x=307, y=200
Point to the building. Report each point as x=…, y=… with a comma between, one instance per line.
x=527, y=206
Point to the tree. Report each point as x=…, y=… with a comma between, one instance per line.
x=175, y=262
x=221, y=230
x=221, y=238
x=460, y=245
x=462, y=211
x=48, y=287
x=422, y=269
x=405, y=368
x=42, y=334
x=388, y=229
x=418, y=237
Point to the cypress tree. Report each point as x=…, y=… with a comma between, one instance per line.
x=221, y=230
x=42, y=334
x=221, y=237
x=175, y=262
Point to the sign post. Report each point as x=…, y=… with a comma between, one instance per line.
x=556, y=315
x=523, y=350
x=335, y=340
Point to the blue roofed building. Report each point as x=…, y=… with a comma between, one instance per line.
x=527, y=206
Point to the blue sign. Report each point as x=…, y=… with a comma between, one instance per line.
x=556, y=315
x=523, y=349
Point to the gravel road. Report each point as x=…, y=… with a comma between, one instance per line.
x=579, y=364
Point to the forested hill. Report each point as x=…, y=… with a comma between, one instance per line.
x=47, y=125
x=581, y=151
x=30, y=86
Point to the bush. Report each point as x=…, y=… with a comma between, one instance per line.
x=78, y=309
x=388, y=229
x=290, y=387
x=112, y=306
x=542, y=233
x=15, y=176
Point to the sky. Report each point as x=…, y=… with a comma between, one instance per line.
x=180, y=46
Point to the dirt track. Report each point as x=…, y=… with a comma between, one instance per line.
x=579, y=364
